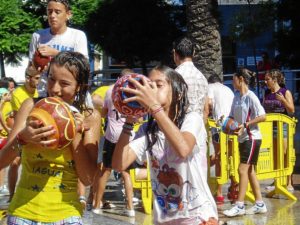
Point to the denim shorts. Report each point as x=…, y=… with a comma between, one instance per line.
x=14, y=220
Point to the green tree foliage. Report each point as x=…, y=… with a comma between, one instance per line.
x=288, y=35
x=252, y=20
x=37, y=8
x=16, y=27
x=81, y=9
x=134, y=30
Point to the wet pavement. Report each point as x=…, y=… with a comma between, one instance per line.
x=280, y=210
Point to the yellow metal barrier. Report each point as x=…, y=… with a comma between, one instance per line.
x=224, y=157
x=273, y=163
x=145, y=187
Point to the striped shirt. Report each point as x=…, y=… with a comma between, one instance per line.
x=197, y=86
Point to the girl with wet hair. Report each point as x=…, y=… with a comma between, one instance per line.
x=179, y=103
x=174, y=142
x=77, y=64
x=47, y=190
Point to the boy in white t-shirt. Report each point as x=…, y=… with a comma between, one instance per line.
x=175, y=141
x=57, y=38
x=220, y=100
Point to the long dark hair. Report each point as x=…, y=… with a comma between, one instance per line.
x=64, y=2
x=179, y=104
x=78, y=65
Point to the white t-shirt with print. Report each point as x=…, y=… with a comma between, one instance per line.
x=221, y=97
x=71, y=40
x=245, y=108
x=179, y=185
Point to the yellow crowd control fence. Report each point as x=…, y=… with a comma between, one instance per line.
x=145, y=187
x=276, y=157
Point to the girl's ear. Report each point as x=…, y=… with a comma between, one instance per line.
x=69, y=14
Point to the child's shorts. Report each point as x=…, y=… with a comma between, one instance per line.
x=14, y=220
x=108, y=151
x=192, y=221
x=249, y=151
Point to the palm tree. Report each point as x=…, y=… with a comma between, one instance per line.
x=203, y=26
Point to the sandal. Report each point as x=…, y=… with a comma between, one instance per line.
x=108, y=205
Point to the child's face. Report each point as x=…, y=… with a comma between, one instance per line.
x=269, y=81
x=57, y=15
x=33, y=80
x=11, y=86
x=164, y=95
x=62, y=83
x=236, y=82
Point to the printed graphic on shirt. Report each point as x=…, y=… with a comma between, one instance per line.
x=62, y=48
x=274, y=105
x=168, y=190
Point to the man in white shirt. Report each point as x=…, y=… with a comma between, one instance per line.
x=183, y=51
x=220, y=99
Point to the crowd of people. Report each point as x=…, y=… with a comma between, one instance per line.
x=172, y=141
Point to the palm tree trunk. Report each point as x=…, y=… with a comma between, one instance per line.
x=2, y=68
x=203, y=26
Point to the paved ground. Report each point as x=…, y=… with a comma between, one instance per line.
x=280, y=211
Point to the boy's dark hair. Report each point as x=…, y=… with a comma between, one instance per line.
x=64, y=2
x=184, y=47
x=214, y=79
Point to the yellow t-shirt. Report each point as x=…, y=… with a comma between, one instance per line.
x=101, y=91
x=19, y=96
x=47, y=191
